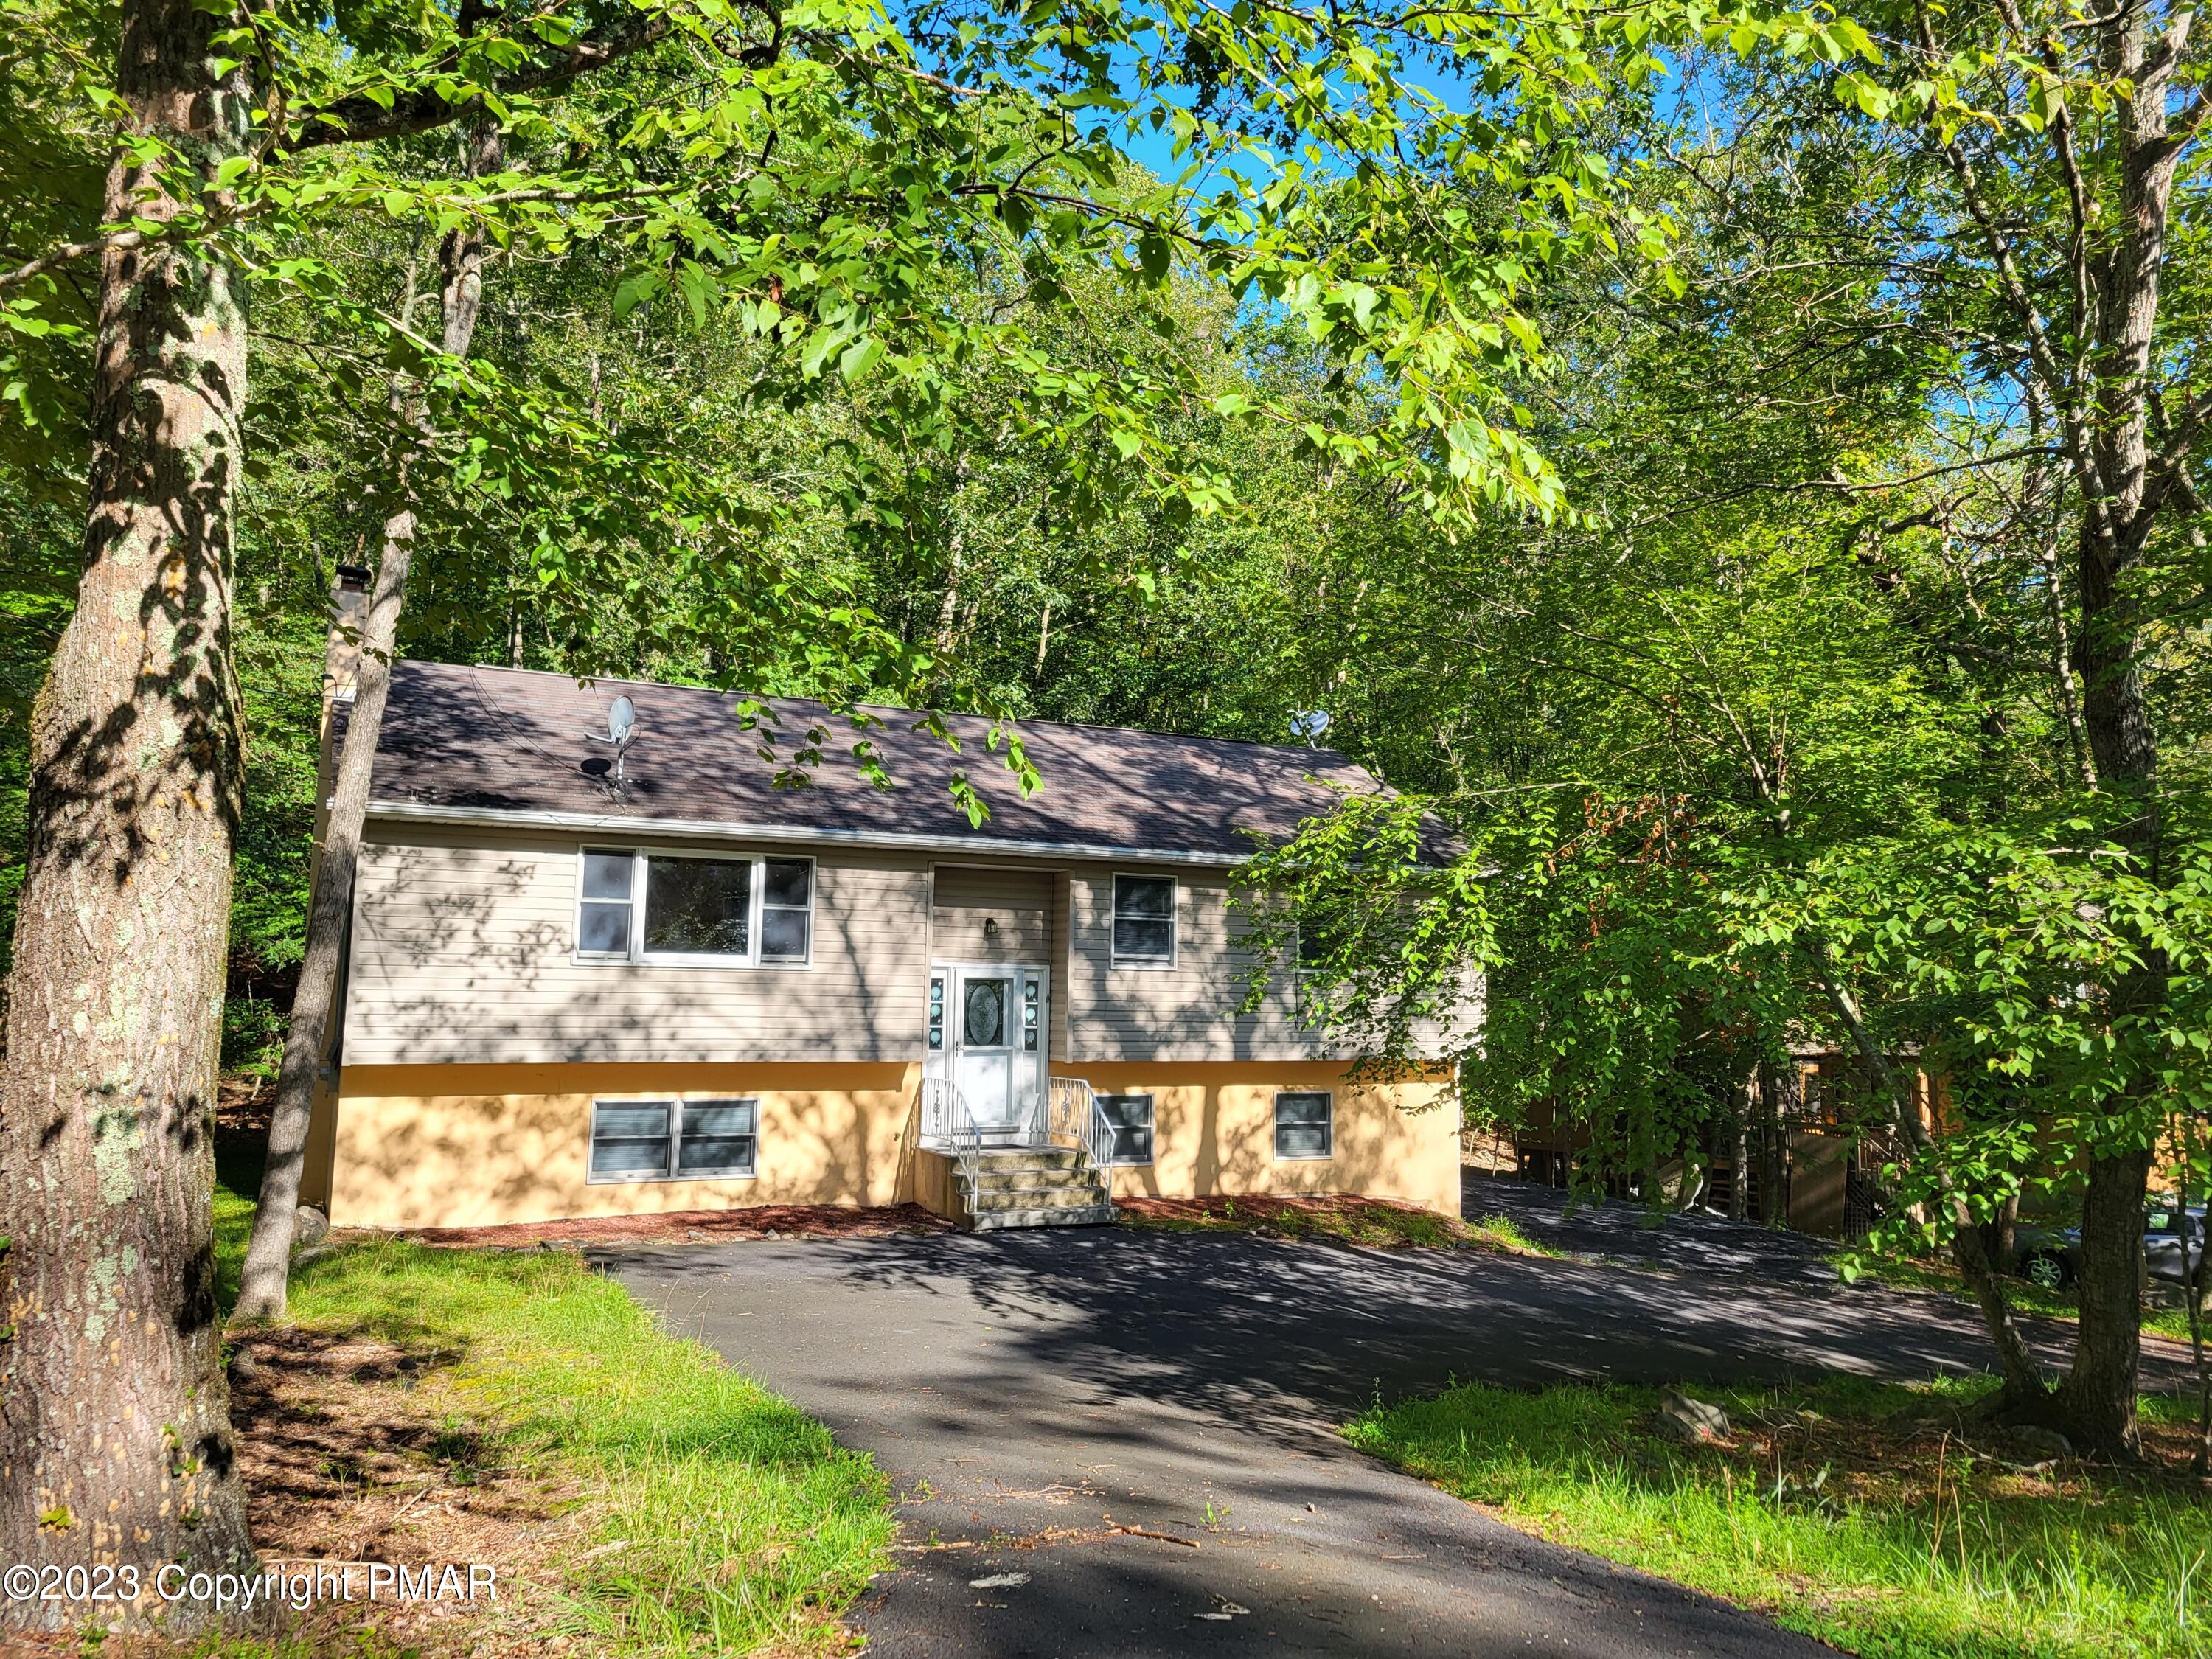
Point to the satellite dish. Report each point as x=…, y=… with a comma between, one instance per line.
x=622, y=726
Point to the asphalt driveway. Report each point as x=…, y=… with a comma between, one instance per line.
x=1629, y=1234
x=1047, y=1402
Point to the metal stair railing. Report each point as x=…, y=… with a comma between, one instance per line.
x=1074, y=1118
x=946, y=1117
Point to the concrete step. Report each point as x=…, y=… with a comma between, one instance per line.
x=1037, y=1198
x=1000, y=1221
x=1056, y=1157
x=998, y=1177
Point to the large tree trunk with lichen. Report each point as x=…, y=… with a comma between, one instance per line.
x=115, y=1440
x=262, y=1284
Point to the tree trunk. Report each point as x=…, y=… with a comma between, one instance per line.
x=1774, y=1089
x=2096, y=1403
x=115, y=1441
x=1740, y=1152
x=1999, y=1234
x=262, y=1282
x=2025, y=1392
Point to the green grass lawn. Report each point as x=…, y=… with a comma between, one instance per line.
x=1875, y=1517
x=716, y=1518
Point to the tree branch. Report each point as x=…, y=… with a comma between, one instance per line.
x=361, y=121
x=2075, y=435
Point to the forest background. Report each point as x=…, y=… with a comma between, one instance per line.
x=1765, y=702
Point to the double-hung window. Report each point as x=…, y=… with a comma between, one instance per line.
x=1305, y=1125
x=717, y=910
x=674, y=1139
x=1144, y=922
x=1130, y=1117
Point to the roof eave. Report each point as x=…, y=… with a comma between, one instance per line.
x=729, y=829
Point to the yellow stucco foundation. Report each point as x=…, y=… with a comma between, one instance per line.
x=1213, y=1131
x=481, y=1145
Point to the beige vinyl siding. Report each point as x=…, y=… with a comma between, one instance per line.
x=1188, y=1011
x=977, y=887
x=463, y=952
x=1018, y=903
x=1063, y=979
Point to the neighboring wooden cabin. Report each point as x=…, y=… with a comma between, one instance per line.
x=1812, y=1146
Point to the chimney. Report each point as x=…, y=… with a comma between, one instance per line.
x=342, y=652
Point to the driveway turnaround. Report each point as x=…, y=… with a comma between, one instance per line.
x=1115, y=1441
x=1610, y=1230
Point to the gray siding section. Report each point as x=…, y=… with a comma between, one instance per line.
x=1017, y=903
x=969, y=887
x=463, y=953
x=1063, y=979
x=1186, y=1012
x=1022, y=936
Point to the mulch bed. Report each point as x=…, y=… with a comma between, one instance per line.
x=356, y=1450
x=353, y=1449
x=689, y=1226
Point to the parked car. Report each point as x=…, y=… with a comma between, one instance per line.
x=2172, y=1243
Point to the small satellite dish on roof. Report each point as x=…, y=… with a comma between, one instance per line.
x=622, y=726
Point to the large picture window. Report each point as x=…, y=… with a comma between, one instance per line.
x=636, y=906
x=698, y=907
x=1130, y=1117
x=1144, y=921
x=1305, y=1124
x=674, y=1139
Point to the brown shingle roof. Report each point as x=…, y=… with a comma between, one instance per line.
x=459, y=740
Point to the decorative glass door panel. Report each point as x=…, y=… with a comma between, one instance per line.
x=989, y=1024
x=983, y=1063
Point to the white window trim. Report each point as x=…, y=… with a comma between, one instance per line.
x=1275, y=1128
x=1157, y=964
x=757, y=890
x=1151, y=1128
x=676, y=1103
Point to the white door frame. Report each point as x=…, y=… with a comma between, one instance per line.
x=1028, y=1068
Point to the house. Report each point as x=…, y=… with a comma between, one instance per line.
x=584, y=982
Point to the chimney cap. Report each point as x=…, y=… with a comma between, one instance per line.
x=353, y=577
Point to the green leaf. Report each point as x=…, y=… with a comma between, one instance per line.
x=857, y=359
x=1153, y=256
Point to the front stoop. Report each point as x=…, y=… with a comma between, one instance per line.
x=1034, y=1187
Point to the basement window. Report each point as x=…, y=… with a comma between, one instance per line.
x=674, y=1139
x=1305, y=1125
x=1130, y=1117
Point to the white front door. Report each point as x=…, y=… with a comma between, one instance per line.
x=996, y=1043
